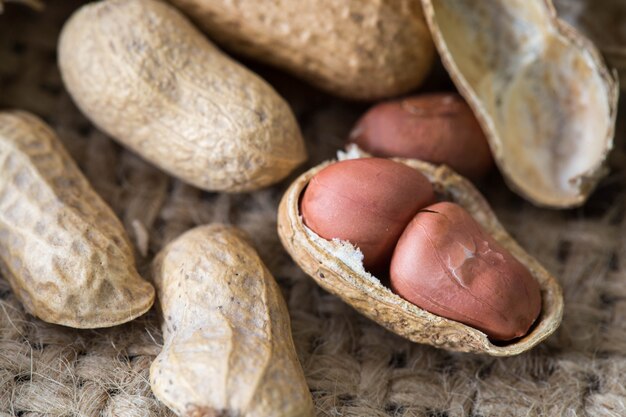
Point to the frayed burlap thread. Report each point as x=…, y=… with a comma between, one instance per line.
x=354, y=367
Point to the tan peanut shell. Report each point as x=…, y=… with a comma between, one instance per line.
x=228, y=349
x=356, y=49
x=337, y=267
x=602, y=22
x=541, y=92
x=143, y=74
x=62, y=249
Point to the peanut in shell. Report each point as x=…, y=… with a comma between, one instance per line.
x=337, y=267
x=62, y=249
x=228, y=349
x=356, y=49
x=144, y=75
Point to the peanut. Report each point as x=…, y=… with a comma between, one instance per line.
x=438, y=128
x=228, y=349
x=447, y=264
x=143, y=74
x=367, y=202
x=62, y=249
x=353, y=48
x=338, y=267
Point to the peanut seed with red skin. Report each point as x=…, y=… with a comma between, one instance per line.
x=367, y=202
x=438, y=128
x=448, y=265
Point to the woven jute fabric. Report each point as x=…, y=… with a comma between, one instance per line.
x=353, y=366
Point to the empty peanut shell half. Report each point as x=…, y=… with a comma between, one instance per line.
x=337, y=267
x=544, y=97
x=604, y=24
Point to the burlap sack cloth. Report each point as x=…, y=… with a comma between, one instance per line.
x=353, y=366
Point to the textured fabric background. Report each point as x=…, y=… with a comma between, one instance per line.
x=353, y=366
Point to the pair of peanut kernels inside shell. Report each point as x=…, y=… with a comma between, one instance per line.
x=436, y=255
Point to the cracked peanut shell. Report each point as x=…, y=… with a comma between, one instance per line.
x=62, y=249
x=228, y=349
x=337, y=267
x=143, y=74
x=352, y=48
x=540, y=90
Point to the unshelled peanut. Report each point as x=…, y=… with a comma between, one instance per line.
x=143, y=74
x=356, y=49
x=63, y=250
x=228, y=349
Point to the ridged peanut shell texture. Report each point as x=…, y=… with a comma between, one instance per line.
x=62, y=249
x=337, y=267
x=540, y=90
x=228, y=349
x=143, y=74
x=356, y=49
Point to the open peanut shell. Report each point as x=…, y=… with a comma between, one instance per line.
x=540, y=90
x=337, y=267
x=604, y=23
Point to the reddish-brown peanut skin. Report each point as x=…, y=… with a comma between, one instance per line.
x=367, y=202
x=438, y=128
x=447, y=264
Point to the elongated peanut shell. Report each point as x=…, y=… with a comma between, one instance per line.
x=62, y=249
x=141, y=72
x=356, y=49
x=337, y=267
x=228, y=349
x=539, y=89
